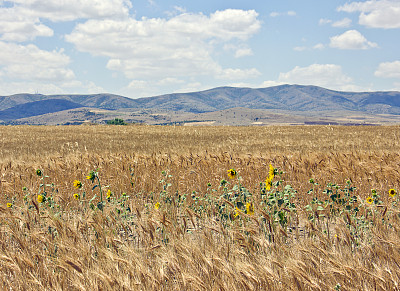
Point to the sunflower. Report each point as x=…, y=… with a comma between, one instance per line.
x=91, y=176
x=268, y=183
x=249, y=208
x=108, y=194
x=271, y=172
x=157, y=205
x=77, y=196
x=392, y=192
x=40, y=198
x=237, y=212
x=370, y=200
x=77, y=184
x=231, y=173
x=9, y=205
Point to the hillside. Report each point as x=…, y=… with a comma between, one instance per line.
x=103, y=101
x=294, y=103
x=285, y=97
x=37, y=108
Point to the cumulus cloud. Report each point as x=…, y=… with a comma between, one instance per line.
x=243, y=52
x=31, y=63
x=345, y=22
x=175, y=47
x=351, y=40
x=239, y=74
x=319, y=46
x=388, y=70
x=324, y=21
x=18, y=27
x=377, y=13
x=22, y=21
x=325, y=75
x=56, y=10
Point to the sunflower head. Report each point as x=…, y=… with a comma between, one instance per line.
x=370, y=200
x=157, y=205
x=9, y=205
x=39, y=172
x=271, y=172
x=392, y=193
x=91, y=176
x=231, y=173
x=268, y=183
x=40, y=198
x=77, y=184
x=249, y=208
x=108, y=194
x=236, y=213
x=77, y=196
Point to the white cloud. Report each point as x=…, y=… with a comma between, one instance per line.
x=170, y=81
x=288, y=13
x=345, y=22
x=377, y=13
x=270, y=83
x=351, y=40
x=325, y=75
x=176, y=47
x=239, y=74
x=31, y=63
x=243, y=52
x=23, y=20
x=56, y=10
x=319, y=46
x=18, y=27
x=323, y=21
x=388, y=70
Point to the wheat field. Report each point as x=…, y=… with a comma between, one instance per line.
x=160, y=212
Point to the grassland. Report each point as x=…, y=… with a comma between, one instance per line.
x=168, y=223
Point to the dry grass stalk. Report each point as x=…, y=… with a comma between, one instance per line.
x=175, y=248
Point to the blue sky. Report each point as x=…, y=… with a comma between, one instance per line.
x=150, y=47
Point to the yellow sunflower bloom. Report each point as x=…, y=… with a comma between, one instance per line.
x=108, y=194
x=40, y=198
x=9, y=205
x=392, y=193
x=91, y=176
x=237, y=212
x=250, y=208
x=157, y=205
x=370, y=200
x=268, y=183
x=231, y=173
x=77, y=184
x=77, y=196
x=271, y=173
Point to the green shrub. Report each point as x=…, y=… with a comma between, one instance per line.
x=116, y=121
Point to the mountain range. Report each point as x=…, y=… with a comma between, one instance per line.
x=292, y=103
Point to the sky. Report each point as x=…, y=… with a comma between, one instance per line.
x=143, y=48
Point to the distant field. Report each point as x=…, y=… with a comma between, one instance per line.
x=220, y=236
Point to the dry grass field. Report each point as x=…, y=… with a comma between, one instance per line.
x=160, y=212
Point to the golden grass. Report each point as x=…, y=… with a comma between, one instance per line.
x=175, y=248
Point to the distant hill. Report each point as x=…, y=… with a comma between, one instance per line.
x=292, y=99
x=285, y=97
x=37, y=108
x=103, y=101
